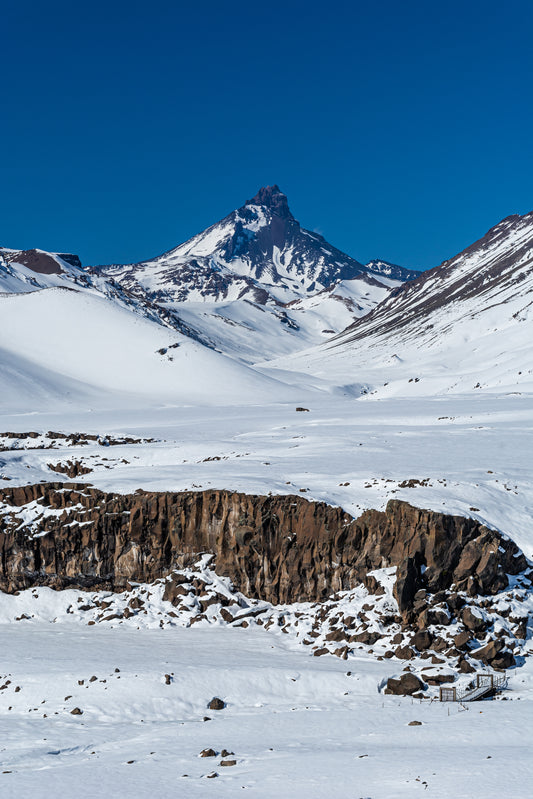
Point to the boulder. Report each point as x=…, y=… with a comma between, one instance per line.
x=438, y=679
x=404, y=653
x=504, y=661
x=439, y=644
x=465, y=667
x=407, y=685
x=422, y=640
x=492, y=654
x=461, y=640
x=365, y=637
x=336, y=636
x=473, y=620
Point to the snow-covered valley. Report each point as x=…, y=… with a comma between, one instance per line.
x=244, y=362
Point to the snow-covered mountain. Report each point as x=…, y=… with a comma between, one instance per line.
x=259, y=251
x=494, y=272
x=24, y=271
x=256, y=284
x=395, y=272
x=466, y=324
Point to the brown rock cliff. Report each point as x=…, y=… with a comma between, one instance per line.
x=278, y=548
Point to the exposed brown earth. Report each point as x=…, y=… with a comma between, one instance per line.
x=41, y=262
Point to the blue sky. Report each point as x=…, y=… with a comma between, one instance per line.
x=399, y=130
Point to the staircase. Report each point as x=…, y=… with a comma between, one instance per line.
x=486, y=685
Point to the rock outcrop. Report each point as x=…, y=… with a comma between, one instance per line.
x=278, y=548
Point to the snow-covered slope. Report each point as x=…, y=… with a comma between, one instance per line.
x=467, y=324
x=59, y=342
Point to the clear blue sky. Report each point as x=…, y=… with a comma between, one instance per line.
x=400, y=130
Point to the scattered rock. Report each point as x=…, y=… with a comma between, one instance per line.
x=228, y=763
x=216, y=704
x=208, y=753
x=342, y=652
x=415, y=724
x=76, y=712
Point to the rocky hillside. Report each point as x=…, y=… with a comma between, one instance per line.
x=410, y=583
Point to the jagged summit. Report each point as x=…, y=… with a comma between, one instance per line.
x=258, y=284
x=254, y=285
x=273, y=198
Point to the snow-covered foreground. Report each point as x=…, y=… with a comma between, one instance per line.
x=298, y=726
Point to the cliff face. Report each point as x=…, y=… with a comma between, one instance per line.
x=278, y=548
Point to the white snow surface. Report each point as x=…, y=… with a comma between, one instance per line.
x=293, y=725
x=70, y=345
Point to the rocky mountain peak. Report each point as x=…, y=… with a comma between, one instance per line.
x=272, y=198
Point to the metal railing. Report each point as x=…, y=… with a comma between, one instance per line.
x=485, y=685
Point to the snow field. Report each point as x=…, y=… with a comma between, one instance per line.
x=298, y=727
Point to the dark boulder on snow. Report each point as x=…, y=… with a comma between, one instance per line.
x=216, y=704
x=407, y=685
